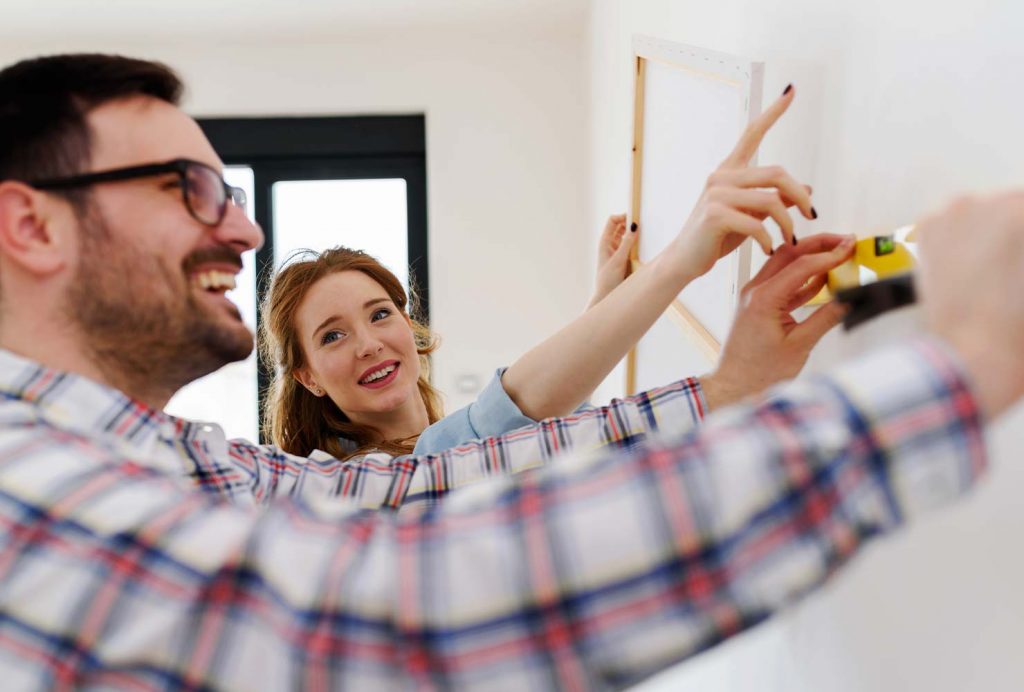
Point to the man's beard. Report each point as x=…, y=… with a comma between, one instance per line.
x=140, y=321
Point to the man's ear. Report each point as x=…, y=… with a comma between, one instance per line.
x=34, y=229
x=303, y=376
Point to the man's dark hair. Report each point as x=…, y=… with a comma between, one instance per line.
x=44, y=102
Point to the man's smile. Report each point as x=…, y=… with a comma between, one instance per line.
x=213, y=280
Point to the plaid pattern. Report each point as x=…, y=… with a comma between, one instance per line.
x=249, y=474
x=592, y=572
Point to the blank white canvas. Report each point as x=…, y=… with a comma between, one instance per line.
x=692, y=117
x=691, y=123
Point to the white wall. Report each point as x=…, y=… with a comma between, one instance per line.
x=899, y=106
x=505, y=115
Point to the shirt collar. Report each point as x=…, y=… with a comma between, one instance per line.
x=77, y=404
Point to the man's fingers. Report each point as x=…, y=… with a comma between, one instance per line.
x=810, y=289
x=819, y=242
x=751, y=138
x=787, y=254
x=810, y=331
x=793, y=277
x=793, y=193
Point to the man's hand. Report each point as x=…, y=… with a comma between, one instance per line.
x=971, y=282
x=766, y=345
x=736, y=201
x=612, y=257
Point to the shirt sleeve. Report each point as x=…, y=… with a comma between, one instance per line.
x=493, y=413
x=378, y=481
x=593, y=572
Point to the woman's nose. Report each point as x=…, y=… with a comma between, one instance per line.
x=369, y=346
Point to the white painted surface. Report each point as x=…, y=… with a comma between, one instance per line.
x=278, y=20
x=899, y=106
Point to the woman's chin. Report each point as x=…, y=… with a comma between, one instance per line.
x=389, y=400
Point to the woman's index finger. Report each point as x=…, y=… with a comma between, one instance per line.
x=751, y=138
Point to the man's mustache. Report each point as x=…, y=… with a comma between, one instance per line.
x=218, y=255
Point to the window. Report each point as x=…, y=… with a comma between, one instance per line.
x=314, y=183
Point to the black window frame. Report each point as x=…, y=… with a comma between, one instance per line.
x=328, y=148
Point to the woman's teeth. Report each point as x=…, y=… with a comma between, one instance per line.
x=383, y=372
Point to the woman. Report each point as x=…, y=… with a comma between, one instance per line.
x=384, y=402
x=350, y=361
x=317, y=399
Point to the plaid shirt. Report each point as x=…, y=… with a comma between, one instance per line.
x=594, y=572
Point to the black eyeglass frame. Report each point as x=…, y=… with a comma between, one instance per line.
x=235, y=195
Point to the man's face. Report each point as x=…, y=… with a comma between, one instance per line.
x=148, y=293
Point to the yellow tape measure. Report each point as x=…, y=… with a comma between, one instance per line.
x=874, y=258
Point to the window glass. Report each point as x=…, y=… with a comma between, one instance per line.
x=368, y=215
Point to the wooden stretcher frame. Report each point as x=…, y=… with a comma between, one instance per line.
x=744, y=74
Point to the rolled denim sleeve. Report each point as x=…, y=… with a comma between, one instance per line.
x=491, y=415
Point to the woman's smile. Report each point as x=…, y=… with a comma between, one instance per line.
x=381, y=375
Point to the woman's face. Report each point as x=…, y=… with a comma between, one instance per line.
x=359, y=347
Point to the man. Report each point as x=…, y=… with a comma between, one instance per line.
x=596, y=571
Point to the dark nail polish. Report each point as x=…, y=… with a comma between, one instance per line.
x=794, y=239
x=771, y=251
x=789, y=88
x=632, y=227
x=814, y=213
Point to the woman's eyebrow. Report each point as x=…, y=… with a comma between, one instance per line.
x=326, y=322
x=333, y=318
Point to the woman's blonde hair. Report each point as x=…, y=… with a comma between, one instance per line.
x=293, y=418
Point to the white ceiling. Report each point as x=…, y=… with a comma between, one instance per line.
x=33, y=21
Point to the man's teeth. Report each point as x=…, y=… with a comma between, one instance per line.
x=383, y=372
x=214, y=280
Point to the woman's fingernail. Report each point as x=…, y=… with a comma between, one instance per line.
x=794, y=239
x=814, y=213
x=632, y=227
x=789, y=88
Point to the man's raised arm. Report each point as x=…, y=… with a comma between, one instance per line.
x=380, y=481
x=598, y=570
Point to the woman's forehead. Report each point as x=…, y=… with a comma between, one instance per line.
x=341, y=293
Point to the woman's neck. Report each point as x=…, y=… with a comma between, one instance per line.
x=402, y=423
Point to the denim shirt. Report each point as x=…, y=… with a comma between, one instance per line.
x=492, y=414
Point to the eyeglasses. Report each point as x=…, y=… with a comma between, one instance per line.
x=203, y=190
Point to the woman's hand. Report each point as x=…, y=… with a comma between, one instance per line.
x=555, y=376
x=737, y=200
x=612, y=257
x=766, y=345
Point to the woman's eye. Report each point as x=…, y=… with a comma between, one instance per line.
x=331, y=337
x=379, y=314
